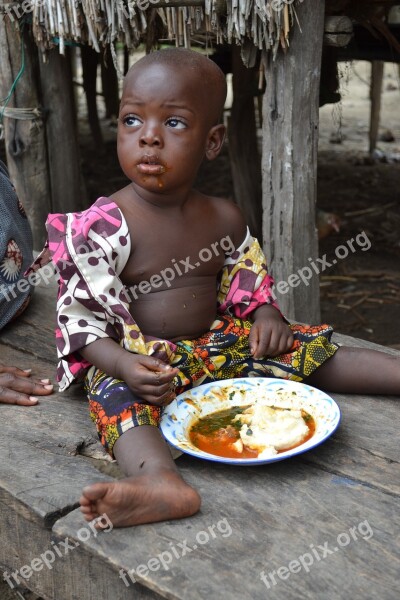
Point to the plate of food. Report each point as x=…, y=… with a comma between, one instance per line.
x=249, y=421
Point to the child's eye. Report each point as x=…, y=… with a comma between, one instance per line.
x=131, y=121
x=175, y=123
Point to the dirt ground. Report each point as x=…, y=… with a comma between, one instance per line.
x=360, y=295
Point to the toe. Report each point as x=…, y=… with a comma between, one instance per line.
x=84, y=501
x=89, y=518
x=86, y=510
x=94, y=492
x=89, y=514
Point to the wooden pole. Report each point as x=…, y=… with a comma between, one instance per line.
x=338, y=31
x=109, y=82
x=90, y=59
x=242, y=137
x=289, y=165
x=375, y=96
x=61, y=133
x=25, y=140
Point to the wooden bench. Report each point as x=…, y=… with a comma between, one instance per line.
x=322, y=525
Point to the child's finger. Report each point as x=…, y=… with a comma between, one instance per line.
x=289, y=342
x=163, y=400
x=278, y=344
x=155, y=364
x=253, y=339
x=156, y=390
x=156, y=378
x=282, y=346
x=264, y=342
x=153, y=374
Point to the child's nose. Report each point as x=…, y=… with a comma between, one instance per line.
x=151, y=137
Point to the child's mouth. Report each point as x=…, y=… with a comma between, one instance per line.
x=150, y=165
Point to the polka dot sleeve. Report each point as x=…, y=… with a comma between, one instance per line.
x=89, y=249
x=244, y=283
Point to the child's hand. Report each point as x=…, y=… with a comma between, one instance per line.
x=269, y=335
x=17, y=388
x=149, y=378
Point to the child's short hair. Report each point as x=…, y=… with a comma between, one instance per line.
x=207, y=73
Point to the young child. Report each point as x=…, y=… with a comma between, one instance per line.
x=141, y=336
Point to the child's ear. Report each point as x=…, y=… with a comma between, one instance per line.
x=215, y=140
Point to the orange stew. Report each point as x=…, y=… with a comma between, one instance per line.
x=216, y=433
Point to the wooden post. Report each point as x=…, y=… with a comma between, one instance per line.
x=242, y=136
x=375, y=96
x=338, y=31
x=90, y=59
x=289, y=165
x=67, y=189
x=25, y=140
x=109, y=83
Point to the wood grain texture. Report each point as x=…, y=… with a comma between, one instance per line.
x=338, y=31
x=289, y=163
x=275, y=514
x=244, y=156
x=343, y=494
x=67, y=189
x=25, y=140
x=34, y=331
x=375, y=95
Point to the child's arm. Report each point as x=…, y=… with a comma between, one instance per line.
x=89, y=250
x=245, y=291
x=148, y=377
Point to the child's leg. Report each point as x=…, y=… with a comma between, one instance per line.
x=153, y=489
x=358, y=371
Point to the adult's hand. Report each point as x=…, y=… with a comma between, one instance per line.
x=16, y=387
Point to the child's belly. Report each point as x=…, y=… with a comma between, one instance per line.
x=177, y=313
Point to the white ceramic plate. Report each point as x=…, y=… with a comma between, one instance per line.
x=198, y=402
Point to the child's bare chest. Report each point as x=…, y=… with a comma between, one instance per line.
x=181, y=250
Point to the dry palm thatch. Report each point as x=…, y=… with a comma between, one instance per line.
x=263, y=23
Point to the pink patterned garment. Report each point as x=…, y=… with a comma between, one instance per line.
x=89, y=250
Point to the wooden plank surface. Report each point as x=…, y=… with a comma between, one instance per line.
x=33, y=333
x=276, y=513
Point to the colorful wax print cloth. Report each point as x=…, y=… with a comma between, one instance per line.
x=221, y=353
x=15, y=251
x=89, y=250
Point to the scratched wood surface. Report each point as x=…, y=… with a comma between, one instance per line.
x=332, y=514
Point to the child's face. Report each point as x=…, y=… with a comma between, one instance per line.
x=164, y=129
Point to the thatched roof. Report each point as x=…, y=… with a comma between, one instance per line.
x=253, y=24
x=263, y=23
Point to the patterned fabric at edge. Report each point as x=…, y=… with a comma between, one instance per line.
x=15, y=251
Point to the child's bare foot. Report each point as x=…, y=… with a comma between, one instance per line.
x=157, y=496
